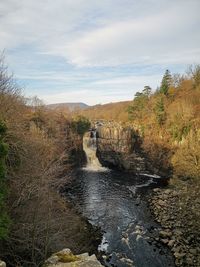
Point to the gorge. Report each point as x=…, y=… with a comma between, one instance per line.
x=117, y=202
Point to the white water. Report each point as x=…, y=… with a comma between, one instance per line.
x=89, y=146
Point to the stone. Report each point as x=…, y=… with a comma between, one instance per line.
x=164, y=241
x=168, y=191
x=65, y=258
x=171, y=243
x=156, y=190
x=161, y=203
x=193, y=251
x=179, y=255
x=2, y=264
x=165, y=233
x=52, y=260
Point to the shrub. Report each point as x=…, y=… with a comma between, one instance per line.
x=4, y=219
x=186, y=160
x=81, y=125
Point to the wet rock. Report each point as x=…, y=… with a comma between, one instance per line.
x=128, y=262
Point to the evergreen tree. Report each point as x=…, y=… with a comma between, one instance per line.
x=4, y=220
x=147, y=91
x=166, y=82
x=138, y=94
x=160, y=111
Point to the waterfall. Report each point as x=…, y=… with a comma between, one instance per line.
x=90, y=148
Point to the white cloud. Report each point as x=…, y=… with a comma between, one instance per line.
x=97, y=33
x=134, y=81
x=167, y=37
x=104, y=33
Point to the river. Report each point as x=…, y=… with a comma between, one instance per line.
x=117, y=202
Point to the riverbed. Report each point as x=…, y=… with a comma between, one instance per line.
x=117, y=202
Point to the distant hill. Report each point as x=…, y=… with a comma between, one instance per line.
x=69, y=106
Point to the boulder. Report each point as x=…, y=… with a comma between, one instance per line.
x=66, y=258
x=2, y=264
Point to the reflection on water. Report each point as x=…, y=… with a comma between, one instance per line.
x=116, y=202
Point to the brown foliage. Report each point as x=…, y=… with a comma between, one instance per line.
x=40, y=145
x=111, y=111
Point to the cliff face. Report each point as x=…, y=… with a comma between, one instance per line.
x=118, y=147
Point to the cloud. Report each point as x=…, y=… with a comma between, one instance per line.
x=98, y=46
x=166, y=37
x=104, y=33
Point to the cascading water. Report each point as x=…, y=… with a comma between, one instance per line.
x=90, y=148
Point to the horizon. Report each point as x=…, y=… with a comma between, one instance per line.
x=97, y=51
x=60, y=103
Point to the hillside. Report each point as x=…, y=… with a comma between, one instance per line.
x=68, y=106
x=111, y=111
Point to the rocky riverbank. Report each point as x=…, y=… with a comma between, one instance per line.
x=178, y=213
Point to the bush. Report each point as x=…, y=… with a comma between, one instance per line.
x=4, y=219
x=81, y=125
x=186, y=160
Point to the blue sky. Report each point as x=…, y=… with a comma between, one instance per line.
x=97, y=51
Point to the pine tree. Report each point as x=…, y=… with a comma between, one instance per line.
x=166, y=81
x=147, y=90
x=160, y=111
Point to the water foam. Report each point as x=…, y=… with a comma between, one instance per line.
x=93, y=164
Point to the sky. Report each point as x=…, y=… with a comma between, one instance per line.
x=97, y=51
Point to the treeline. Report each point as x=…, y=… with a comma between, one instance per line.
x=38, y=148
x=169, y=121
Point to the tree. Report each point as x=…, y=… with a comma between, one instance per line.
x=4, y=219
x=166, y=82
x=138, y=94
x=160, y=111
x=135, y=111
x=194, y=74
x=81, y=125
x=147, y=90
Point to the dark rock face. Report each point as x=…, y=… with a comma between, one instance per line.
x=118, y=147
